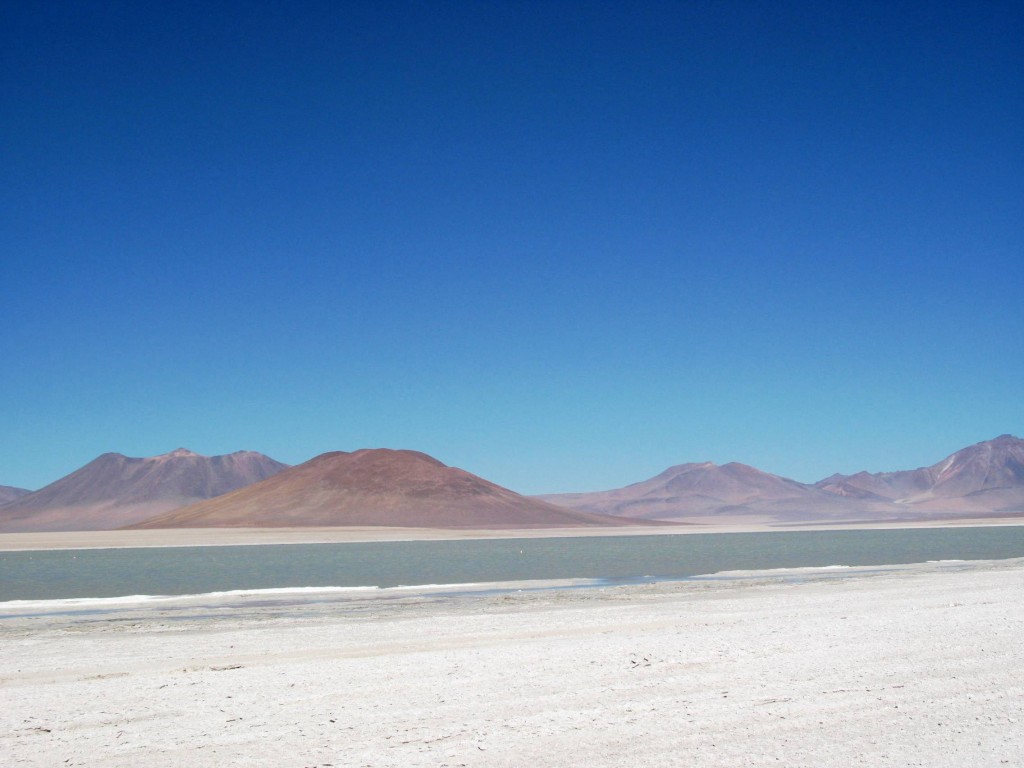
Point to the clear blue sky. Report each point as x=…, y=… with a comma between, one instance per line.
x=561, y=245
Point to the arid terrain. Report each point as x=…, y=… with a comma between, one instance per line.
x=916, y=665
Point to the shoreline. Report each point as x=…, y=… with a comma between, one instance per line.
x=329, y=598
x=199, y=537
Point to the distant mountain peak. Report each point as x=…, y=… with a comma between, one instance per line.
x=1002, y=441
x=179, y=453
x=396, y=455
x=697, y=489
x=985, y=476
x=114, y=490
x=991, y=464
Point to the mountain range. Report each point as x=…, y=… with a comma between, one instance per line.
x=703, y=490
x=407, y=488
x=375, y=487
x=986, y=479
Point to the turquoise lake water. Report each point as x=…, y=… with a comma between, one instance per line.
x=42, y=575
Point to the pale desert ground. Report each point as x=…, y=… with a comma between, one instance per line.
x=909, y=666
x=187, y=537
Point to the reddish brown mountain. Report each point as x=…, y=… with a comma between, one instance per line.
x=375, y=487
x=9, y=493
x=114, y=490
x=984, y=478
x=703, y=490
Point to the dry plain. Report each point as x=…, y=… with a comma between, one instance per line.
x=909, y=666
x=194, y=537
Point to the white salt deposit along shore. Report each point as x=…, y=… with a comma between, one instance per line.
x=919, y=666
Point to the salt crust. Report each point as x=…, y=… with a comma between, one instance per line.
x=919, y=665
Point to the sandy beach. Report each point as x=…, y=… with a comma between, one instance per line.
x=917, y=665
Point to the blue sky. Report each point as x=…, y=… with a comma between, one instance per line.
x=561, y=245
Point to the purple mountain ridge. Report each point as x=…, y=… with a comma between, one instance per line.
x=986, y=479
x=115, y=490
x=689, y=491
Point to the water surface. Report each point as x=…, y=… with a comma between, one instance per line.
x=41, y=575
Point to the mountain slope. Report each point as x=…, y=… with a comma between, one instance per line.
x=115, y=490
x=9, y=494
x=375, y=487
